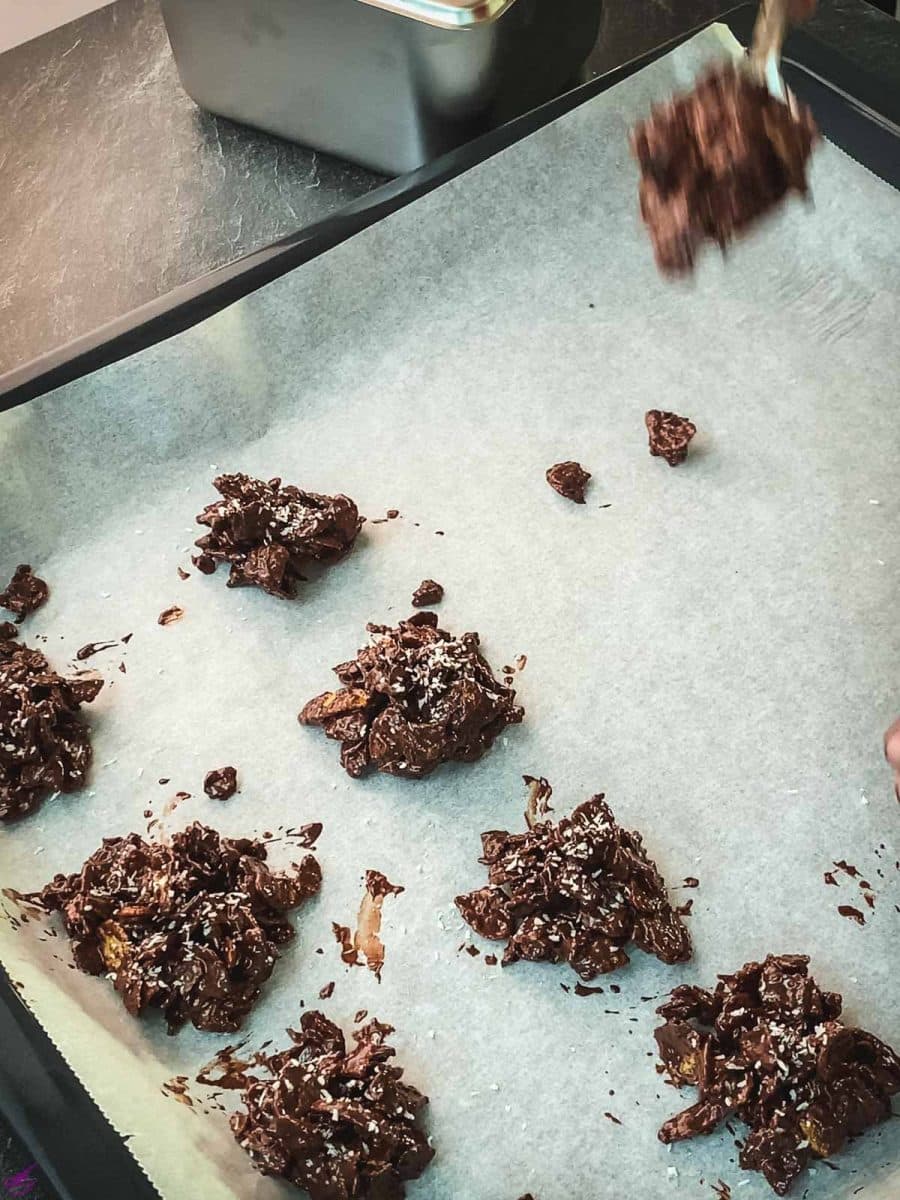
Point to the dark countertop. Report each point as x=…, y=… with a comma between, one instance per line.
x=115, y=188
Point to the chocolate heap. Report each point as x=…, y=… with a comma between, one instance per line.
x=412, y=699
x=577, y=892
x=44, y=744
x=268, y=532
x=340, y=1124
x=24, y=593
x=189, y=926
x=766, y=1046
x=715, y=159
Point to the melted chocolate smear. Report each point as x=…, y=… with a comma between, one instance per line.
x=366, y=940
x=24, y=594
x=539, y=793
x=847, y=910
x=577, y=891
x=93, y=648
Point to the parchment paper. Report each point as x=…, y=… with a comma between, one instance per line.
x=717, y=651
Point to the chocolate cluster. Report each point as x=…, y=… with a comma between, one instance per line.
x=577, y=891
x=45, y=746
x=339, y=1123
x=413, y=698
x=189, y=925
x=24, y=593
x=267, y=533
x=716, y=159
x=766, y=1046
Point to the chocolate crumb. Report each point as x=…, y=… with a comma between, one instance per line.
x=190, y=926
x=307, y=835
x=847, y=910
x=46, y=745
x=334, y=1122
x=610, y=1117
x=670, y=435
x=360, y=1015
x=569, y=479
x=582, y=989
x=392, y=514
x=472, y=951
x=766, y=1047
x=170, y=615
x=684, y=910
x=715, y=159
x=122, y=668
x=163, y=782
x=830, y=879
x=182, y=573
x=327, y=991
x=690, y=881
x=490, y=960
x=414, y=698
x=221, y=783
x=439, y=532
x=344, y=939
x=428, y=592
x=722, y=1190
x=24, y=594
x=577, y=892
x=93, y=648
x=126, y=639
x=267, y=533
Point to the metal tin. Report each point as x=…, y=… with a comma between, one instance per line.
x=390, y=84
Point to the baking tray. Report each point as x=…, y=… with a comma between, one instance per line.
x=38, y=1092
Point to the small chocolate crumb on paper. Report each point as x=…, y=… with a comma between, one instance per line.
x=610, y=1117
x=569, y=479
x=327, y=991
x=360, y=1015
x=392, y=514
x=24, y=594
x=332, y=1121
x=182, y=573
x=306, y=835
x=170, y=615
x=766, y=1047
x=577, y=891
x=690, y=881
x=221, y=783
x=582, y=989
x=427, y=593
x=267, y=532
x=670, y=435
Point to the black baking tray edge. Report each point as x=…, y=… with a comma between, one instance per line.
x=74, y=1145
x=854, y=109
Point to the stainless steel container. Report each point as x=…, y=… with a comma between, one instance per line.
x=387, y=83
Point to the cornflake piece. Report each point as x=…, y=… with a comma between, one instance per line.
x=190, y=926
x=569, y=479
x=45, y=746
x=577, y=892
x=413, y=698
x=670, y=435
x=24, y=593
x=716, y=159
x=766, y=1046
x=267, y=533
x=336, y=1122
